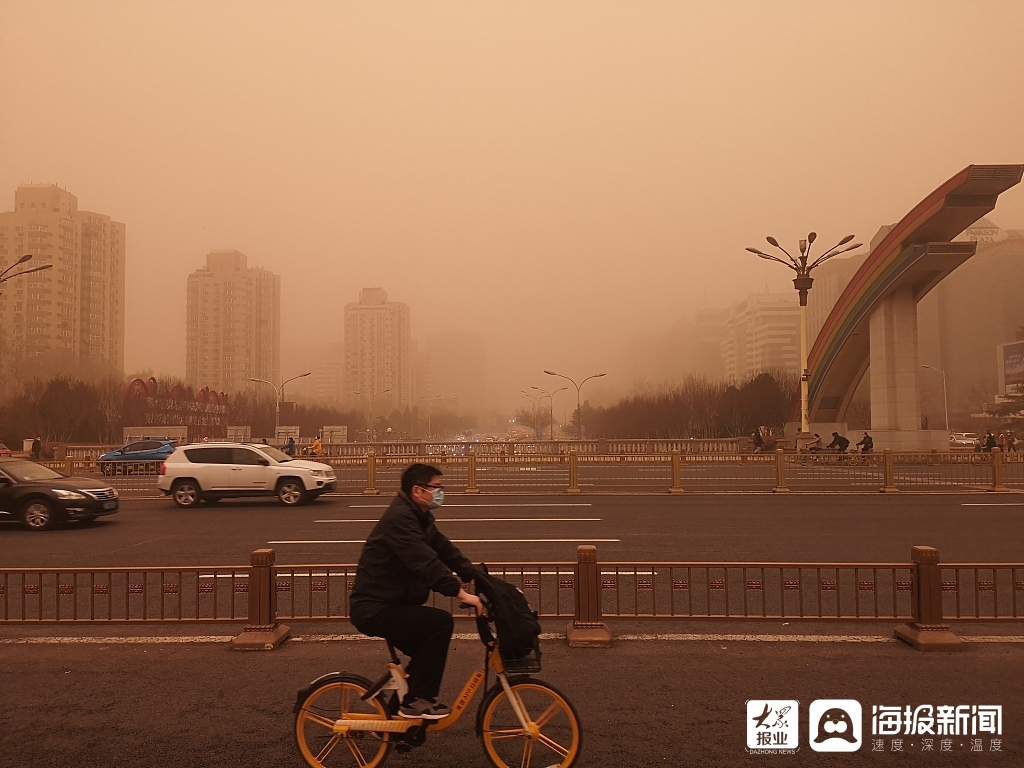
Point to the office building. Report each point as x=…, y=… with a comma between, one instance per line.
x=378, y=350
x=75, y=310
x=233, y=324
x=762, y=334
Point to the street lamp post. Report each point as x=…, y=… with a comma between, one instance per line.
x=279, y=392
x=945, y=402
x=4, y=277
x=369, y=428
x=430, y=407
x=533, y=397
x=802, y=282
x=579, y=410
x=551, y=406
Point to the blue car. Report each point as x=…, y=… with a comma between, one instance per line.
x=141, y=457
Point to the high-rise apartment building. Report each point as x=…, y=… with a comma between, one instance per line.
x=378, y=351
x=76, y=308
x=233, y=324
x=762, y=333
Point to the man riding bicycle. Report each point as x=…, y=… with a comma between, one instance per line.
x=405, y=558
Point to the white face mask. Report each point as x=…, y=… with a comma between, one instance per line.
x=436, y=498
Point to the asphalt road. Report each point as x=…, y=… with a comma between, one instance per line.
x=641, y=703
x=829, y=528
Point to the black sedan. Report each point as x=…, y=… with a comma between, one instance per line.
x=41, y=498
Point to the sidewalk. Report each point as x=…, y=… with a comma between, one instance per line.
x=642, y=703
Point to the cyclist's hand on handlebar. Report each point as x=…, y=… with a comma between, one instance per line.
x=467, y=599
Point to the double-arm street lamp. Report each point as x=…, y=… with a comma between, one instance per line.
x=369, y=427
x=4, y=277
x=802, y=282
x=579, y=411
x=551, y=406
x=945, y=402
x=279, y=391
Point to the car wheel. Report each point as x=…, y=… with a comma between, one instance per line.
x=186, y=493
x=106, y=468
x=291, y=492
x=39, y=515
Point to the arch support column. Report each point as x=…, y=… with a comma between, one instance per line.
x=895, y=402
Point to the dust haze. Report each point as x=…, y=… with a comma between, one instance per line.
x=547, y=185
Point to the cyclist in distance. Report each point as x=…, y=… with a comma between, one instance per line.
x=405, y=557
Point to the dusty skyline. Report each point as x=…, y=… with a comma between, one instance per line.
x=554, y=177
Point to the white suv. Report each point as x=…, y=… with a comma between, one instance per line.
x=212, y=471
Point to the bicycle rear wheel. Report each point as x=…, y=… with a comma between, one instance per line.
x=555, y=737
x=334, y=698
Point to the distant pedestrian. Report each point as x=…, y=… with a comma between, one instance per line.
x=990, y=442
x=289, y=447
x=317, y=449
x=815, y=445
x=1001, y=442
x=1011, y=442
x=758, y=441
x=37, y=448
x=867, y=443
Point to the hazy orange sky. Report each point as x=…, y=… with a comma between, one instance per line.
x=555, y=175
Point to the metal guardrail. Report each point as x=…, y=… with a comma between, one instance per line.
x=672, y=472
x=923, y=592
x=123, y=595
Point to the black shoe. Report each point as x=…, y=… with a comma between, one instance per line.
x=425, y=709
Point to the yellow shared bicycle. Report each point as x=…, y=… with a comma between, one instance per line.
x=343, y=719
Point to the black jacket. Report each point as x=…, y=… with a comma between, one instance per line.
x=404, y=558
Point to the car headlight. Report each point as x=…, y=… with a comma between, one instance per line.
x=68, y=495
x=323, y=473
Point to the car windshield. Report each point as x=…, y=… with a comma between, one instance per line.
x=28, y=471
x=276, y=455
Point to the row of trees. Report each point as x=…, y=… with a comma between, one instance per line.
x=67, y=409
x=700, y=408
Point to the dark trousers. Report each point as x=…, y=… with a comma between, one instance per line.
x=420, y=632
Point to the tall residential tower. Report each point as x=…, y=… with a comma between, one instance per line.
x=233, y=324
x=378, y=351
x=75, y=309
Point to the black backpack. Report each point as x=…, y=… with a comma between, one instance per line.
x=517, y=624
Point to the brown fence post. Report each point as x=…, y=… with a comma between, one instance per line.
x=471, y=470
x=677, y=485
x=587, y=630
x=574, y=484
x=927, y=632
x=69, y=466
x=780, y=472
x=888, y=473
x=371, y=475
x=262, y=633
x=997, y=470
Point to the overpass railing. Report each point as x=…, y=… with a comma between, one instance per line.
x=923, y=592
x=672, y=472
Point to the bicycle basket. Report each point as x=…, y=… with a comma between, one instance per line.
x=525, y=665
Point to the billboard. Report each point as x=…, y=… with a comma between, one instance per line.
x=1011, y=367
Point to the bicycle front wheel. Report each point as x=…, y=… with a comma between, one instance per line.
x=554, y=736
x=337, y=697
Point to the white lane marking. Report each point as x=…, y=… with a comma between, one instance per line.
x=994, y=504
x=293, y=573
x=460, y=506
x=165, y=640
x=486, y=520
x=458, y=541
